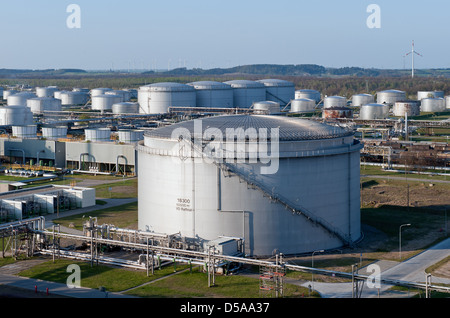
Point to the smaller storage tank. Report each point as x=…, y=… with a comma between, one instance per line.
x=105, y=102
x=409, y=107
x=246, y=92
x=266, y=107
x=28, y=131
x=39, y=105
x=447, y=102
x=390, y=96
x=99, y=134
x=279, y=91
x=429, y=94
x=362, y=99
x=213, y=94
x=374, y=111
x=48, y=91
x=9, y=92
x=302, y=105
x=70, y=98
x=125, y=95
x=432, y=105
x=125, y=108
x=81, y=90
x=130, y=136
x=54, y=132
x=15, y=115
x=337, y=112
x=99, y=91
x=20, y=99
x=309, y=94
x=334, y=101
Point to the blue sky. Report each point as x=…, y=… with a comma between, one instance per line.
x=211, y=33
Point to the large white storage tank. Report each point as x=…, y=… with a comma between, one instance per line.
x=429, y=94
x=125, y=95
x=274, y=202
x=309, y=94
x=125, y=108
x=334, y=101
x=97, y=134
x=390, y=96
x=302, y=105
x=20, y=99
x=374, y=111
x=15, y=115
x=39, y=105
x=246, y=92
x=27, y=131
x=71, y=98
x=48, y=91
x=409, y=107
x=359, y=100
x=99, y=91
x=157, y=98
x=105, y=101
x=54, y=132
x=213, y=94
x=279, y=91
x=432, y=105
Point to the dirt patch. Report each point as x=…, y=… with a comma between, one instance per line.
x=443, y=270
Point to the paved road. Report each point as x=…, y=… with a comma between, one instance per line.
x=412, y=270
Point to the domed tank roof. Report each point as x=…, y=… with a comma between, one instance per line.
x=209, y=85
x=167, y=87
x=244, y=84
x=290, y=128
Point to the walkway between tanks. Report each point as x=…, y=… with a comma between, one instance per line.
x=412, y=269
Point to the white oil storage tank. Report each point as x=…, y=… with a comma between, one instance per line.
x=279, y=91
x=39, y=105
x=359, y=100
x=269, y=191
x=334, y=101
x=27, y=131
x=97, y=134
x=213, y=94
x=129, y=136
x=302, y=105
x=374, y=111
x=99, y=91
x=390, y=96
x=429, y=94
x=246, y=92
x=309, y=94
x=105, y=101
x=266, y=107
x=447, y=102
x=125, y=95
x=157, y=98
x=20, y=99
x=408, y=107
x=9, y=92
x=48, y=91
x=54, y=132
x=432, y=105
x=15, y=115
x=125, y=108
x=71, y=98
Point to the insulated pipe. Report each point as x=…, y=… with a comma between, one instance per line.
x=23, y=154
x=117, y=163
x=37, y=157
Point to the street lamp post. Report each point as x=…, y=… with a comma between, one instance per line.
x=312, y=265
x=400, y=239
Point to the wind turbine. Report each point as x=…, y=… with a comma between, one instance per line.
x=412, y=56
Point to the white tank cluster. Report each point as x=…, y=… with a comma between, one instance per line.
x=274, y=202
x=20, y=98
x=408, y=107
x=390, y=96
x=374, y=111
x=433, y=104
x=279, y=91
x=302, y=105
x=125, y=108
x=334, y=101
x=97, y=134
x=157, y=98
x=213, y=94
x=359, y=100
x=308, y=94
x=39, y=105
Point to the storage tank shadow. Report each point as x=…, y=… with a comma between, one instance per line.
x=280, y=183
